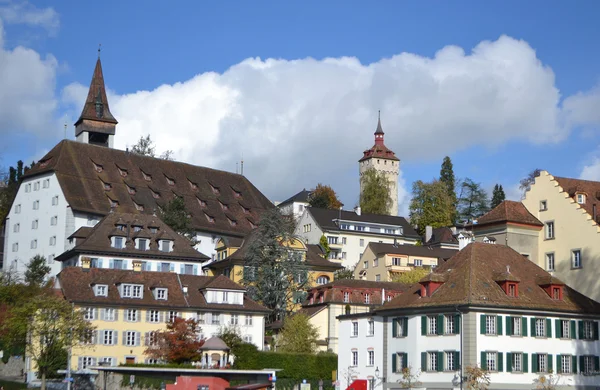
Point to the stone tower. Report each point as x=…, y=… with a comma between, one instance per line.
x=385, y=161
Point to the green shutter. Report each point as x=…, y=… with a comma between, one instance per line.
x=558, y=329
x=500, y=362
x=580, y=330
x=404, y=360
x=424, y=361
x=499, y=325
x=572, y=329
x=395, y=329
x=597, y=363
x=440, y=361
x=423, y=325
x=549, y=365
x=534, y=364
x=457, y=363
x=595, y=331
x=524, y=326
x=439, y=324
x=558, y=365
x=482, y=324
x=574, y=361
x=581, y=363
x=525, y=362
x=533, y=327
x=456, y=323
x=405, y=327
x=394, y=357
x=483, y=361
x=509, y=329
x=509, y=362
x=548, y=327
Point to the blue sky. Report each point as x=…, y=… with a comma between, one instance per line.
x=296, y=121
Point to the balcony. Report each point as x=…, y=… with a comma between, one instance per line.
x=398, y=268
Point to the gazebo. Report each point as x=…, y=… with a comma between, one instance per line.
x=215, y=353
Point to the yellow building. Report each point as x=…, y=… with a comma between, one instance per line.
x=126, y=307
x=381, y=262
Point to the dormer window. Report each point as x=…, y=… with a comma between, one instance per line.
x=131, y=190
x=236, y=194
x=246, y=210
x=161, y=294
x=118, y=242
x=513, y=290
x=556, y=293
x=142, y=244
x=252, y=224
x=153, y=230
x=193, y=185
x=232, y=222
x=138, y=207
x=155, y=194
x=201, y=202
x=113, y=203
x=209, y=218
x=101, y=290
x=146, y=176
x=170, y=181
x=122, y=172
x=224, y=207
x=137, y=228
x=215, y=190
x=97, y=167
x=107, y=186
x=581, y=198
x=132, y=291
x=166, y=245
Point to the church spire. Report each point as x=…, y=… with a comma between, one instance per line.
x=96, y=124
x=379, y=132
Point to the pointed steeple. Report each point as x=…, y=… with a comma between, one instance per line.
x=96, y=124
x=379, y=128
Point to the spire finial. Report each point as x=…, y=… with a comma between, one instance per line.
x=378, y=115
x=99, y=49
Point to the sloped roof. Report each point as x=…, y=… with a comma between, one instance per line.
x=214, y=344
x=76, y=286
x=470, y=279
x=91, y=176
x=411, y=250
x=590, y=188
x=334, y=292
x=509, y=211
x=96, y=95
x=379, y=150
x=325, y=218
x=301, y=196
x=97, y=241
x=442, y=235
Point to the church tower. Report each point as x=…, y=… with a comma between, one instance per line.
x=383, y=160
x=96, y=125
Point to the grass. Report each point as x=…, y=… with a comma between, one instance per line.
x=12, y=385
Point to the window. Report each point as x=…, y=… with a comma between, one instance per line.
x=354, y=358
x=248, y=338
x=400, y=327
x=108, y=361
x=110, y=314
x=55, y=200
x=54, y=221
x=362, y=242
x=587, y=328
x=543, y=205
x=540, y=328
x=490, y=360
x=36, y=186
x=101, y=290
x=118, y=242
x=367, y=299
x=449, y=324
x=172, y=315
x=360, y=228
x=375, y=263
x=131, y=315
x=516, y=362
x=33, y=244
x=549, y=230
x=88, y=337
x=36, y=205
x=432, y=321
x=490, y=324
x=512, y=289
x=588, y=364
x=46, y=183
x=346, y=297
x=365, y=264
x=15, y=247
x=432, y=361
x=16, y=228
x=153, y=316
x=322, y=280
x=371, y=358
x=396, y=261
x=34, y=224
x=418, y=262
x=343, y=240
x=371, y=331
x=131, y=338
x=565, y=364
x=566, y=329
x=234, y=319
x=516, y=326
x=556, y=293
x=28, y=187
x=451, y=361
x=165, y=267
x=399, y=362
x=89, y=313
x=378, y=278
x=118, y=264
x=354, y=329
x=142, y=244
x=132, y=291
x=165, y=245
x=52, y=240
x=216, y=319
x=542, y=362
x=108, y=337
x=581, y=198
x=550, y=262
x=576, y=258
x=343, y=255
x=200, y=317
x=248, y=320
x=332, y=240
x=18, y=209
x=86, y=361
x=161, y=293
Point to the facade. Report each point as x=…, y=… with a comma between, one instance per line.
x=295, y=205
x=128, y=306
x=77, y=183
x=384, y=161
x=568, y=246
x=131, y=241
x=325, y=303
x=381, y=262
x=349, y=232
x=488, y=307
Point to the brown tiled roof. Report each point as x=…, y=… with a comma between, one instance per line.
x=471, y=281
x=442, y=235
x=315, y=257
x=379, y=150
x=223, y=282
x=380, y=248
x=98, y=239
x=311, y=310
x=76, y=285
x=509, y=211
x=334, y=292
x=218, y=201
x=590, y=188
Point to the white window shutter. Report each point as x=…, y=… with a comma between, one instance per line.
x=146, y=339
x=115, y=337
x=124, y=337
x=79, y=363
x=116, y=314
x=103, y=314
x=137, y=339
x=147, y=315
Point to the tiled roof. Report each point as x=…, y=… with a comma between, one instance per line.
x=470, y=279
x=509, y=211
x=411, y=250
x=442, y=235
x=334, y=292
x=379, y=150
x=325, y=218
x=76, y=285
x=590, y=188
x=301, y=196
x=92, y=177
x=97, y=240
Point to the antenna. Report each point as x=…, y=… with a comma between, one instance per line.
x=99, y=49
x=242, y=166
x=65, y=137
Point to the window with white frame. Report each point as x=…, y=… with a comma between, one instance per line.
x=248, y=320
x=86, y=361
x=354, y=358
x=15, y=247
x=16, y=227
x=108, y=361
x=110, y=314
x=101, y=290
x=566, y=328
x=371, y=383
x=588, y=330
x=365, y=264
x=131, y=338
x=432, y=322
x=54, y=220
x=28, y=187
x=516, y=326
x=371, y=358
x=540, y=327
x=142, y=244
x=375, y=263
x=565, y=364
x=581, y=198
x=449, y=324
x=361, y=242
x=55, y=200
x=248, y=338
x=131, y=291
x=118, y=242
x=418, y=262
x=451, y=364
x=588, y=364
x=549, y=229
x=235, y=318
x=378, y=278
x=543, y=205
x=576, y=258
x=36, y=186
x=490, y=324
x=371, y=328
x=550, y=262
x=216, y=318
x=52, y=241
x=153, y=316
x=109, y=337
x=172, y=315
x=516, y=362
x=542, y=360
x=33, y=244
x=161, y=293
x=432, y=361
x=354, y=328
x=34, y=224
x=322, y=280
x=46, y=183
x=36, y=204
x=491, y=359
x=89, y=313
x=346, y=297
x=200, y=317
x=396, y=261
x=131, y=315
x=18, y=209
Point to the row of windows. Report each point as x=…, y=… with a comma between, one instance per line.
x=370, y=358
x=34, y=244
x=158, y=316
x=539, y=327
x=540, y=363
x=187, y=269
x=372, y=229
x=576, y=260
x=36, y=185
x=142, y=244
x=35, y=224
x=36, y=204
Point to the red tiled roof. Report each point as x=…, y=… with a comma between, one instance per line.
x=590, y=188
x=509, y=211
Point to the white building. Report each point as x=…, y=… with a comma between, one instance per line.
x=487, y=307
x=349, y=232
x=77, y=183
x=295, y=205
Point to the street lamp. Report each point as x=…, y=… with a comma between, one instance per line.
x=379, y=377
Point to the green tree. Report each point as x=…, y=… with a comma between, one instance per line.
x=231, y=336
x=498, y=196
x=177, y=217
x=36, y=271
x=273, y=272
x=410, y=378
x=447, y=177
x=345, y=273
x=145, y=147
x=412, y=276
x=324, y=197
x=526, y=182
x=375, y=195
x=325, y=244
x=52, y=325
x=473, y=200
x=430, y=205
x=298, y=335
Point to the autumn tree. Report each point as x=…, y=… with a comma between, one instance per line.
x=324, y=197
x=447, y=177
x=273, y=272
x=298, y=335
x=177, y=217
x=526, y=182
x=546, y=381
x=325, y=244
x=473, y=200
x=410, y=378
x=498, y=196
x=375, y=194
x=430, y=205
x=412, y=276
x=36, y=272
x=477, y=378
x=52, y=326
x=145, y=147
x=178, y=343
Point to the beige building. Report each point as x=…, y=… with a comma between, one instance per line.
x=380, y=262
x=569, y=244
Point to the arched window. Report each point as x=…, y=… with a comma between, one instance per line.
x=322, y=280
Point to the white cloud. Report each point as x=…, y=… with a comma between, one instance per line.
x=23, y=12
x=300, y=122
x=581, y=109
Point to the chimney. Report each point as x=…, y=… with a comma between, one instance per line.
x=428, y=233
x=185, y=290
x=453, y=229
x=395, y=242
x=137, y=265
x=86, y=262
x=357, y=210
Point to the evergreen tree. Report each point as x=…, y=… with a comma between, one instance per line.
x=298, y=335
x=145, y=147
x=177, y=217
x=473, y=201
x=447, y=177
x=36, y=271
x=525, y=183
x=375, y=196
x=498, y=196
x=430, y=205
x=324, y=197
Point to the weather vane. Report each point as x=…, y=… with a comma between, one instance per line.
x=99, y=49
